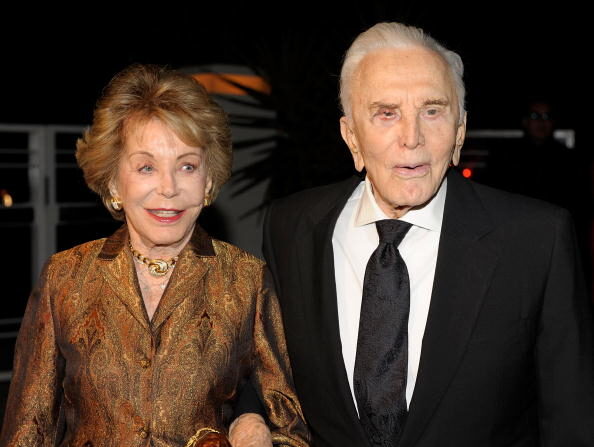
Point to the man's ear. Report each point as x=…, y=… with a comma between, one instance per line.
x=349, y=137
x=460, y=135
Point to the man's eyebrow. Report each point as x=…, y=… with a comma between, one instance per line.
x=392, y=105
x=386, y=105
x=436, y=102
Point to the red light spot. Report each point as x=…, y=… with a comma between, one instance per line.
x=467, y=172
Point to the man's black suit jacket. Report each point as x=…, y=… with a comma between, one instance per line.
x=507, y=351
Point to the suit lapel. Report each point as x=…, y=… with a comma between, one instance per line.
x=316, y=267
x=465, y=265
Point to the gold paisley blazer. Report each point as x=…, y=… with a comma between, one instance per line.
x=91, y=369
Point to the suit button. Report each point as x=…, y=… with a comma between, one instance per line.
x=145, y=363
x=143, y=433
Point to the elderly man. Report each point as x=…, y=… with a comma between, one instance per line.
x=422, y=309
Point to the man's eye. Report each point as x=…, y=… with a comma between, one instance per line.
x=432, y=112
x=386, y=113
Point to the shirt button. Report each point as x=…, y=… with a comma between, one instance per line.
x=145, y=363
x=143, y=433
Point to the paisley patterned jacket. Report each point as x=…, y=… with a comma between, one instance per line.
x=92, y=370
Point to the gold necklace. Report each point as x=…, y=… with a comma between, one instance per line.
x=156, y=267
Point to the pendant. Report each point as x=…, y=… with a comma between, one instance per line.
x=158, y=267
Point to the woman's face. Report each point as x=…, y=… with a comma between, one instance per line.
x=162, y=183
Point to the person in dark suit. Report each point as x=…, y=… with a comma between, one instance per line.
x=485, y=338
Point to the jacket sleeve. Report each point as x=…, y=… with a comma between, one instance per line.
x=271, y=375
x=33, y=407
x=564, y=349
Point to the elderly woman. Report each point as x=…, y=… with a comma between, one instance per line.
x=144, y=337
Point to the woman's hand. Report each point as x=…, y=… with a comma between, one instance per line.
x=250, y=430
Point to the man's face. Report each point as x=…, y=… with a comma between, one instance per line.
x=404, y=128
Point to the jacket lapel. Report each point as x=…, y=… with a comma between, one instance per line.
x=316, y=268
x=117, y=268
x=465, y=265
x=194, y=261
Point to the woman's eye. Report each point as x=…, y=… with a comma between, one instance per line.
x=146, y=169
x=188, y=168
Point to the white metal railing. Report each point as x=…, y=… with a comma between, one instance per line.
x=40, y=167
x=565, y=136
x=476, y=157
x=42, y=152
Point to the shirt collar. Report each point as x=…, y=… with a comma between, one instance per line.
x=428, y=216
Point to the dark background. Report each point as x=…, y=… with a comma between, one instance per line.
x=55, y=62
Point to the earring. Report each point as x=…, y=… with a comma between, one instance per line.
x=116, y=204
x=207, y=200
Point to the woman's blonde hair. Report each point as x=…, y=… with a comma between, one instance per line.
x=138, y=94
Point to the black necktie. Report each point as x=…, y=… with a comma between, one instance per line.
x=382, y=346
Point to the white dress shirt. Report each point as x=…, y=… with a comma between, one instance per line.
x=354, y=240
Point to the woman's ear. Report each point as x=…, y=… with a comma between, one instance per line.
x=113, y=189
x=208, y=187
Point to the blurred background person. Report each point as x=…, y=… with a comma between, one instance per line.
x=537, y=165
x=145, y=336
x=541, y=166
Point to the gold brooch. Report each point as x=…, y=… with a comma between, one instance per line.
x=156, y=267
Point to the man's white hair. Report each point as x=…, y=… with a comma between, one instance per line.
x=396, y=35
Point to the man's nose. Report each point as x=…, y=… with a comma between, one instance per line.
x=410, y=132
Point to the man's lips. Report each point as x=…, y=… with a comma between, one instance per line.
x=165, y=215
x=412, y=170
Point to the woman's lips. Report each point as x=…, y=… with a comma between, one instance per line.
x=165, y=215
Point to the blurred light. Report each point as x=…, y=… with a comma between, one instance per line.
x=5, y=198
x=467, y=172
x=225, y=83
